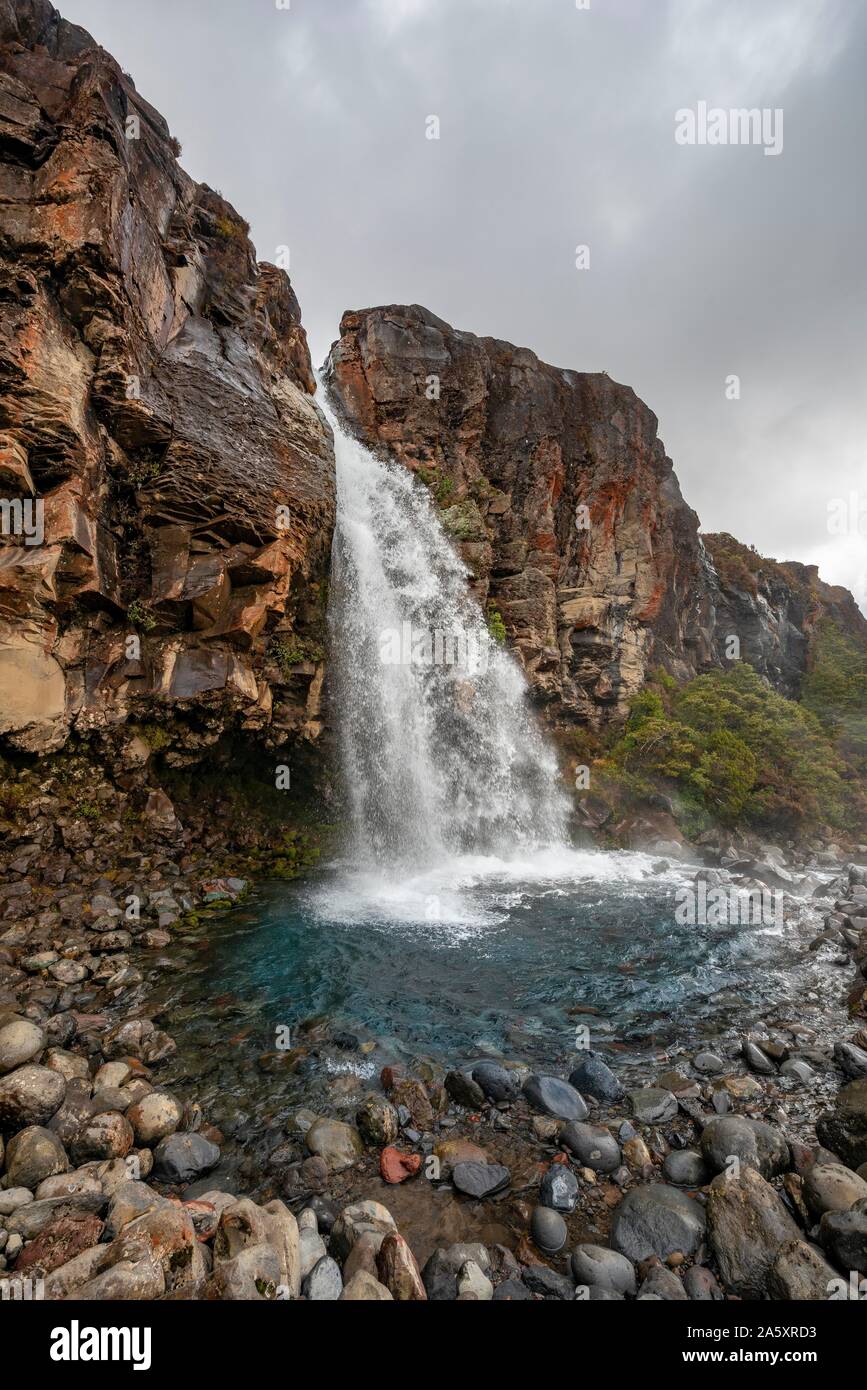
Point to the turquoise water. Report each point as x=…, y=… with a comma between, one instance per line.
x=518, y=957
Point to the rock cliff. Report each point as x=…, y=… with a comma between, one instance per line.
x=157, y=431
x=559, y=495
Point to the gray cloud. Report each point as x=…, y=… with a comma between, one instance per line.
x=557, y=128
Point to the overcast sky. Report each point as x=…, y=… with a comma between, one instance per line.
x=557, y=129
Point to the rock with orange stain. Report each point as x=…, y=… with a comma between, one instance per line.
x=396, y=1167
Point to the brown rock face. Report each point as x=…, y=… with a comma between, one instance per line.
x=559, y=496
x=166, y=480
x=558, y=493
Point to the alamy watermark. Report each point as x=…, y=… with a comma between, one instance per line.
x=719, y=907
x=417, y=646
x=714, y=125
x=23, y=517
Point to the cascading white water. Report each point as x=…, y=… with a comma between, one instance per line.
x=441, y=755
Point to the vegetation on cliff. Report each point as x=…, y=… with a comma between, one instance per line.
x=727, y=748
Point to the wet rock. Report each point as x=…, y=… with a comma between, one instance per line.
x=851, y=1060
x=636, y=1154
x=708, y=1063
x=363, y=1288
x=657, y=1220
x=652, y=1105
x=20, y=1042
x=552, y=1096
x=685, y=1168
x=757, y=1060
x=663, y=1284
x=539, y=1279
x=844, y=1235
x=497, y=1083
x=844, y=1129
x=798, y=1070
x=559, y=1188
x=832, y=1187
x=324, y=1283
x=452, y=1151
x=548, y=1230
x=32, y=1155
x=701, y=1285
x=154, y=1117
x=472, y=1285
x=752, y=1142
x=800, y=1271
x=463, y=1090
x=339, y=1144
x=106, y=1135
x=311, y=1248
x=354, y=1221
x=59, y=1242
x=747, y=1224
x=396, y=1167
x=480, y=1180
x=597, y=1265
x=181, y=1158
x=412, y=1095
x=29, y=1095
x=512, y=1291
x=398, y=1271
x=592, y=1145
x=593, y=1077
x=377, y=1121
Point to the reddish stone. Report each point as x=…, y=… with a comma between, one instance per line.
x=60, y=1242
x=396, y=1167
x=389, y=1076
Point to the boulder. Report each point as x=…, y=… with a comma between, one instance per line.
x=747, y=1224
x=657, y=1220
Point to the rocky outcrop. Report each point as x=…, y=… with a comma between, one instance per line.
x=558, y=493
x=167, y=480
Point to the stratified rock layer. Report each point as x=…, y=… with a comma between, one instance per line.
x=156, y=401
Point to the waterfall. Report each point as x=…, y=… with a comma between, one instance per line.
x=441, y=756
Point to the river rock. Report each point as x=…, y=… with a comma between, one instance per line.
x=539, y=1279
x=395, y=1167
x=559, y=1188
x=354, y=1220
x=548, y=1230
x=410, y=1094
x=154, y=1117
x=851, y=1060
x=181, y=1158
x=311, y=1249
x=662, y=1283
x=30, y=1096
x=652, y=1105
x=452, y=1151
x=59, y=1242
x=799, y=1272
x=754, y=1143
x=463, y=1090
x=480, y=1180
x=685, y=1168
x=472, y=1285
x=324, y=1283
x=592, y=1145
x=701, y=1285
x=757, y=1060
x=339, y=1144
x=844, y=1235
x=377, y=1121
x=553, y=1096
x=844, y=1129
x=747, y=1224
x=832, y=1187
x=593, y=1077
x=596, y=1264
x=33, y=1154
x=106, y=1135
x=20, y=1042
x=708, y=1063
x=657, y=1220
x=398, y=1270
x=363, y=1288
x=11, y=1198
x=497, y=1083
